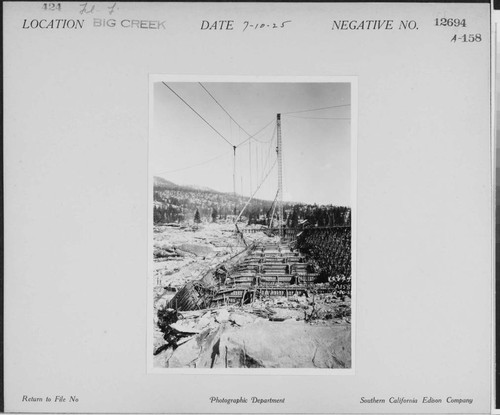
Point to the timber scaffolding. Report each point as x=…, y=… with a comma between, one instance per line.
x=267, y=270
x=290, y=235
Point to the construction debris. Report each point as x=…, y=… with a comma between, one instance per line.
x=266, y=285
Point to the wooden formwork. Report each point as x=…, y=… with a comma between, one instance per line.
x=267, y=270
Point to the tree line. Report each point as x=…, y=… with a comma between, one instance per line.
x=293, y=215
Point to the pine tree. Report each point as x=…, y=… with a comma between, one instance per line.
x=197, y=218
x=295, y=219
x=157, y=215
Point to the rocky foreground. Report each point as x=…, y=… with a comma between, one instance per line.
x=307, y=331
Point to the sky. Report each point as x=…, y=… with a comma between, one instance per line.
x=316, y=145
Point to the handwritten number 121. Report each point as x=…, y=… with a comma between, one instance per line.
x=51, y=6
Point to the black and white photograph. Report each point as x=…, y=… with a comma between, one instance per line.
x=252, y=217
x=250, y=207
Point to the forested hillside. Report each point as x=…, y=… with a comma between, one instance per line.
x=174, y=203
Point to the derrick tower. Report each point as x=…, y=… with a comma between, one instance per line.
x=279, y=150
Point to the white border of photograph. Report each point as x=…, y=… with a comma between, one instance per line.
x=353, y=80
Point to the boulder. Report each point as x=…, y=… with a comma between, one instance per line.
x=287, y=345
x=161, y=360
x=185, y=355
x=185, y=326
x=264, y=344
x=242, y=319
x=222, y=316
x=204, y=321
x=286, y=313
x=197, y=249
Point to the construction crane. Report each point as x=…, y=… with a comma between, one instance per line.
x=279, y=194
x=279, y=150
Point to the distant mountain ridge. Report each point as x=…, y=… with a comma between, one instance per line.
x=175, y=202
x=163, y=184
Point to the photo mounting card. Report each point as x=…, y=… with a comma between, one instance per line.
x=248, y=207
x=495, y=70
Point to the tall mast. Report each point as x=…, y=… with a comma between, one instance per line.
x=234, y=180
x=234, y=170
x=280, y=175
x=250, y=163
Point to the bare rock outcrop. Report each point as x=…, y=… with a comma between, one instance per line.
x=267, y=344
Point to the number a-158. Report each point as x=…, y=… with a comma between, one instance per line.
x=476, y=37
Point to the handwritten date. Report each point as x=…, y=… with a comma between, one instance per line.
x=256, y=26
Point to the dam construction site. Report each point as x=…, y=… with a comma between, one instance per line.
x=241, y=282
x=267, y=304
